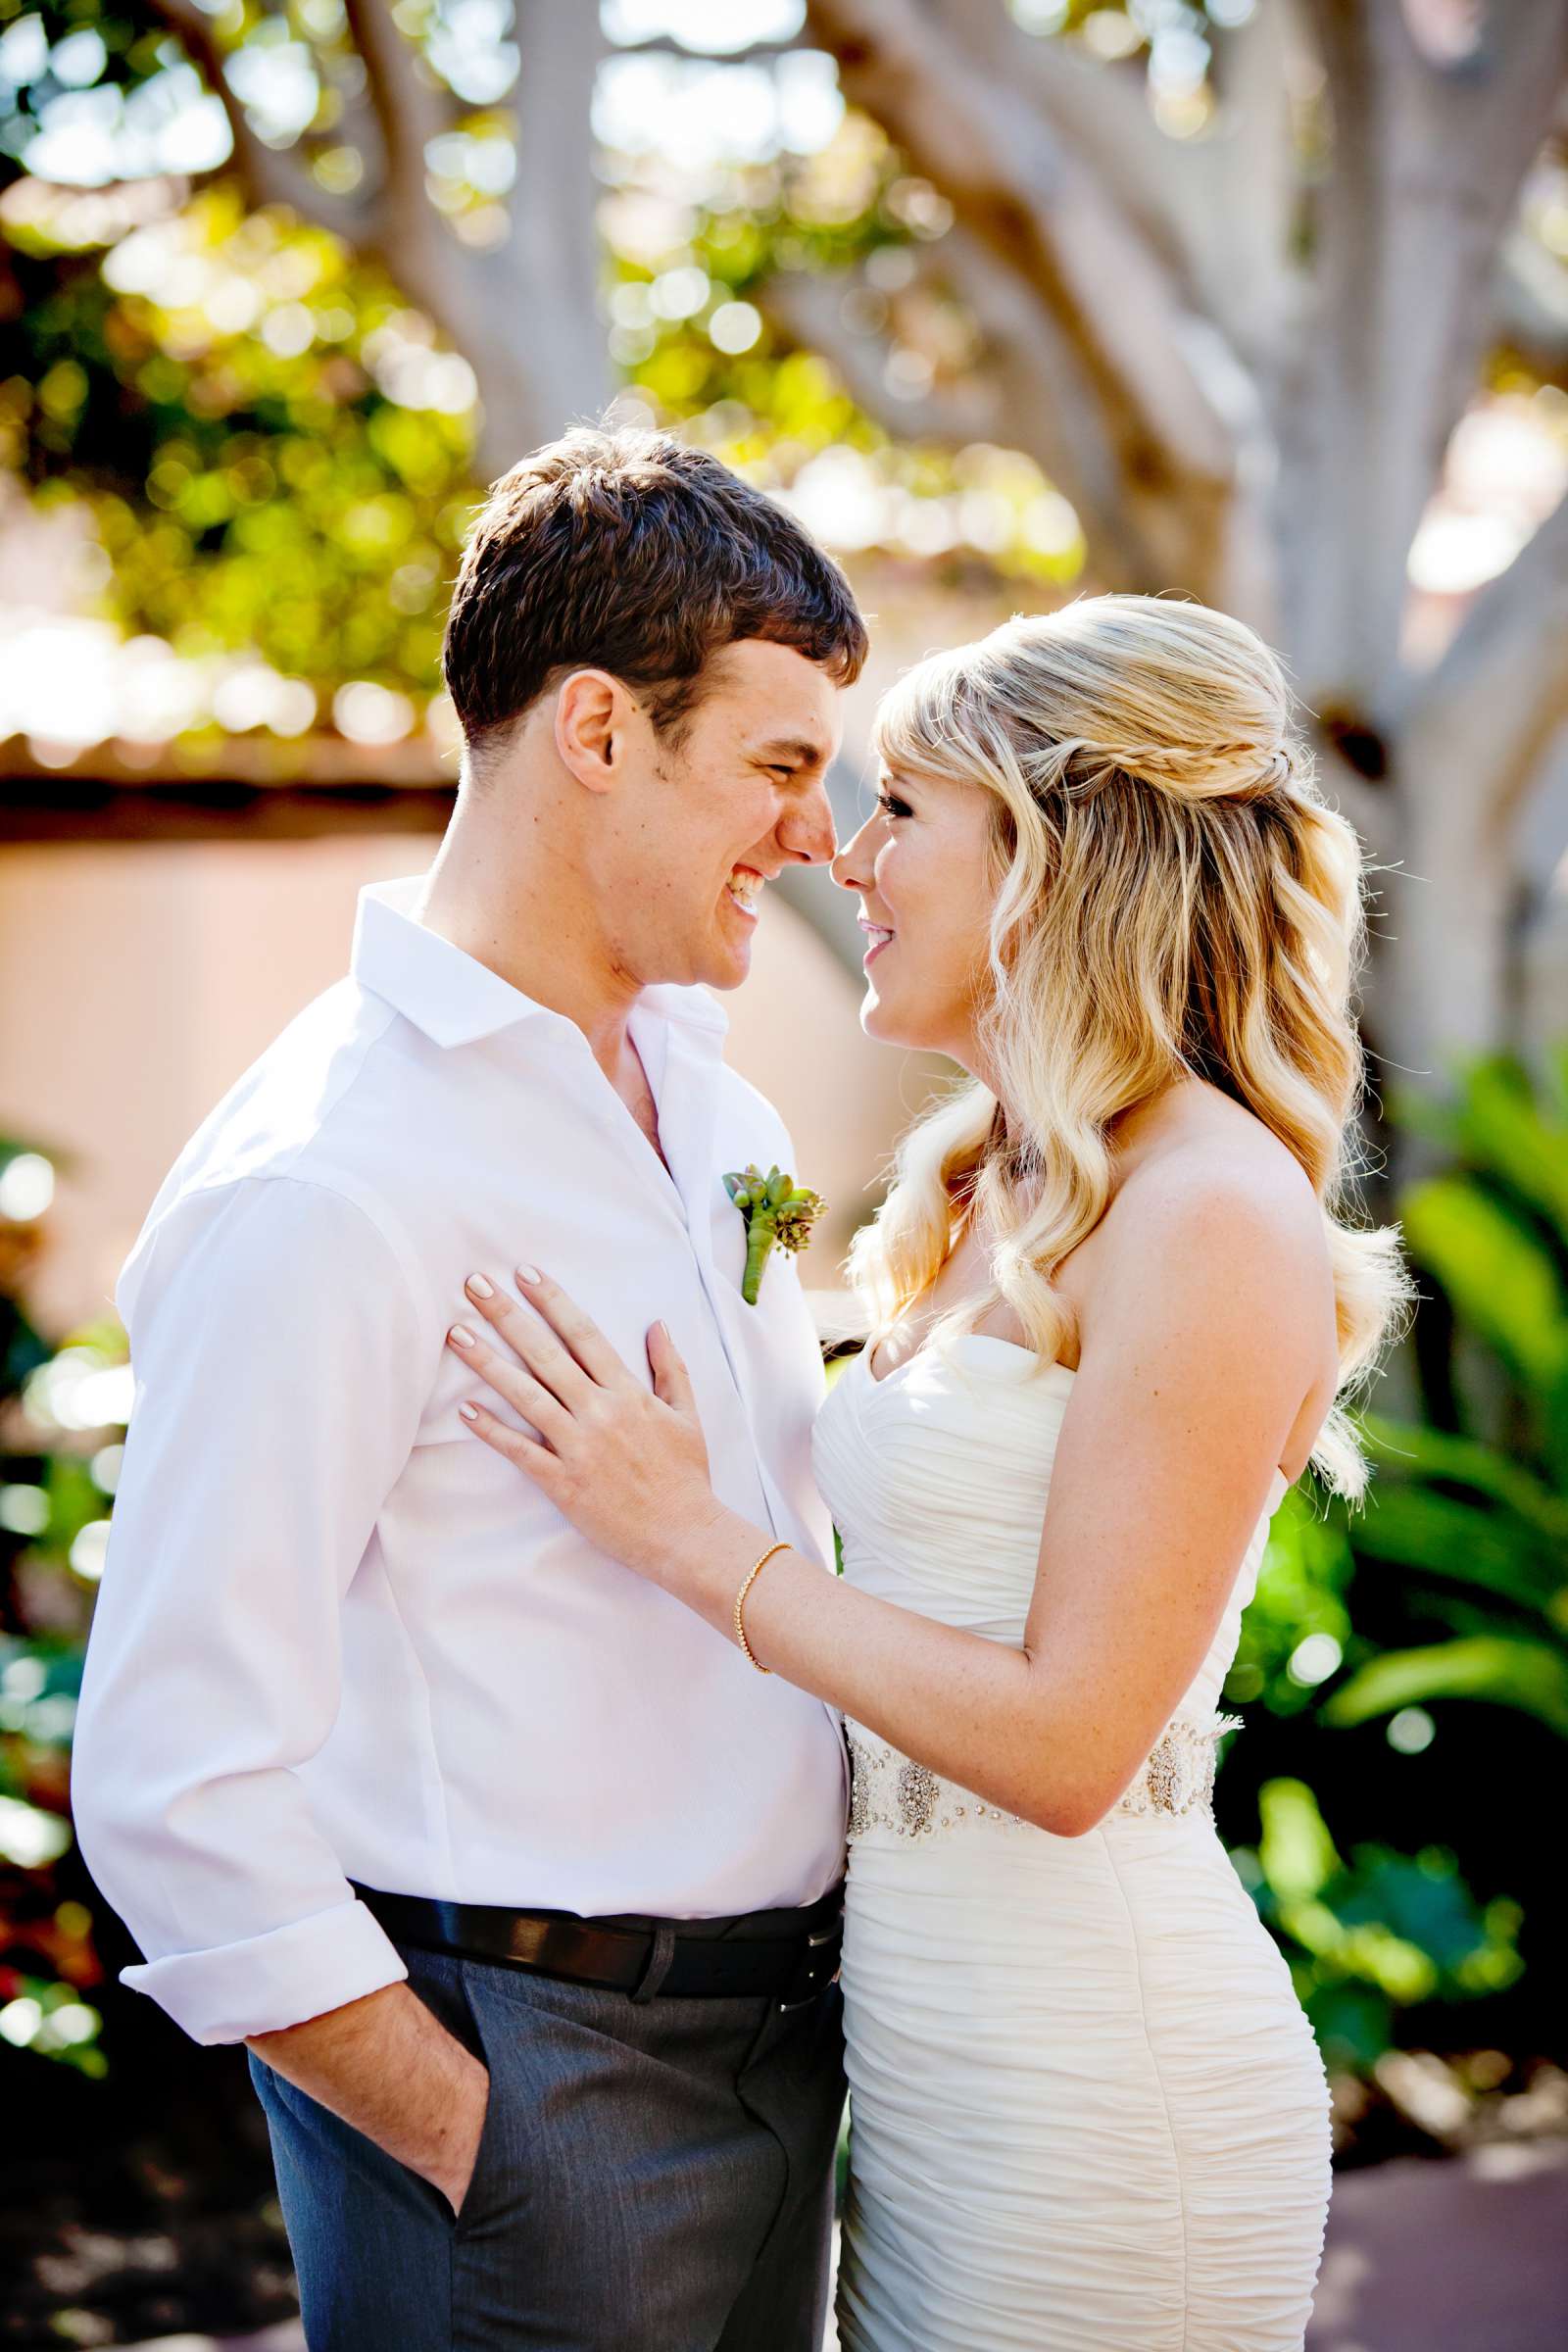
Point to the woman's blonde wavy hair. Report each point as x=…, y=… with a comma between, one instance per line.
x=1173, y=896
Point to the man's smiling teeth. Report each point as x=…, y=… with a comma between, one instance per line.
x=746, y=889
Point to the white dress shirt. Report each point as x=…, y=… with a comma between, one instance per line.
x=338, y=1638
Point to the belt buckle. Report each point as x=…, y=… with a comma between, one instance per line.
x=815, y=1968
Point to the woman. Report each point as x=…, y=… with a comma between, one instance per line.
x=1116, y=1316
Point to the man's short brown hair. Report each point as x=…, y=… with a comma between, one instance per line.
x=618, y=549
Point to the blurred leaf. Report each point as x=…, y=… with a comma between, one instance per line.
x=1501, y=1127
x=1528, y=1675
x=1421, y=1900
x=75, y=1497
x=1295, y=1851
x=1421, y=1528
x=1401, y=1929
x=248, y=498
x=1353, y=2020
x=1497, y=1276
x=1416, y=1450
x=1308, y=1568
x=1503, y=1283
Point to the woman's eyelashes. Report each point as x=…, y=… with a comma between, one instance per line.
x=892, y=807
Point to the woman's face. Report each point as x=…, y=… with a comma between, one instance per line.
x=922, y=866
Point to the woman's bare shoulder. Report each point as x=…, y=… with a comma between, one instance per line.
x=1222, y=1214
x=1228, y=1171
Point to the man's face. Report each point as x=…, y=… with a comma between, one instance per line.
x=705, y=816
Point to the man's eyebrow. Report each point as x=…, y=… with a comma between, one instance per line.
x=796, y=748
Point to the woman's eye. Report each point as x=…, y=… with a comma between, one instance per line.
x=892, y=807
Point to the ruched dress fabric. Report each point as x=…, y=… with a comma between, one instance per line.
x=1087, y=2111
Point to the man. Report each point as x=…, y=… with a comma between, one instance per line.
x=519, y=1883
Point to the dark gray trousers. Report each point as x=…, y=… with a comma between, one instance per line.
x=654, y=2175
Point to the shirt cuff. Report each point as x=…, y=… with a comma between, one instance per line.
x=272, y=1980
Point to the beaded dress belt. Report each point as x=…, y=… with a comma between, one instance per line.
x=890, y=1791
x=788, y=1955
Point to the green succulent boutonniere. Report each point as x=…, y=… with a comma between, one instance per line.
x=776, y=1209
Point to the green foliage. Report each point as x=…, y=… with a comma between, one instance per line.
x=1382, y=1933
x=1510, y=1673
x=54, y=1501
x=109, y=49
x=1300, y=1598
x=1478, y=1512
x=1450, y=1586
x=217, y=396
x=274, y=458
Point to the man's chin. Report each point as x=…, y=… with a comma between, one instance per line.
x=729, y=974
x=727, y=959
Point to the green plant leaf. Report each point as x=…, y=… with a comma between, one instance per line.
x=1409, y=1449
x=1499, y=1277
x=1295, y=1849
x=1503, y=1129
x=1503, y=1281
x=1353, y=2020
x=1416, y=1526
x=1532, y=1676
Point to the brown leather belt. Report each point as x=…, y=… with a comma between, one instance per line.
x=786, y=1955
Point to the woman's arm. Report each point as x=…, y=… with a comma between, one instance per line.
x=1209, y=1331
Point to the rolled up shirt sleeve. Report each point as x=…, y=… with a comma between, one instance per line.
x=280, y=1365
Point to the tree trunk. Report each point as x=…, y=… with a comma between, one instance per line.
x=1427, y=162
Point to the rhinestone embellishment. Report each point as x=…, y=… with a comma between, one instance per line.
x=888, y=1791
x=916, y=1790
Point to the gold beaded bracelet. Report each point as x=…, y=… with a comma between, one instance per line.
x=746, y=1648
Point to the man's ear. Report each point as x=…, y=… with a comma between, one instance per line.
x=593, y=712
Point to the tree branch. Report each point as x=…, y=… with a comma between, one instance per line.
x=1427, y=163
x=534, y=332
x=1473, y=747
x=750, y=54
x=999, y=400
x=1113, y=302
x=411, y=108
x=488, y=305
x=1216, y=210
x=1357, y=802
x=1102, y=110
x=1500, y=694
x=271, y=175
x=1530, y=305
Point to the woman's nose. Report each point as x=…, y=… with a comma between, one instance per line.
x=851, y=869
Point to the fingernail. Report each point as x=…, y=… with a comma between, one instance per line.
x=469, y=1412
x=663, y=1330
x=463, y=1336
x=480, y=1288
x=530, y=1274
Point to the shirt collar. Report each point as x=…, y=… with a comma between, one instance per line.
x=454, y=998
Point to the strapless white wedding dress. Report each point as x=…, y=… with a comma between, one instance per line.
x=1087, y=2112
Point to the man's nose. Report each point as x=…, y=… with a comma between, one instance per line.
x=810, y=832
